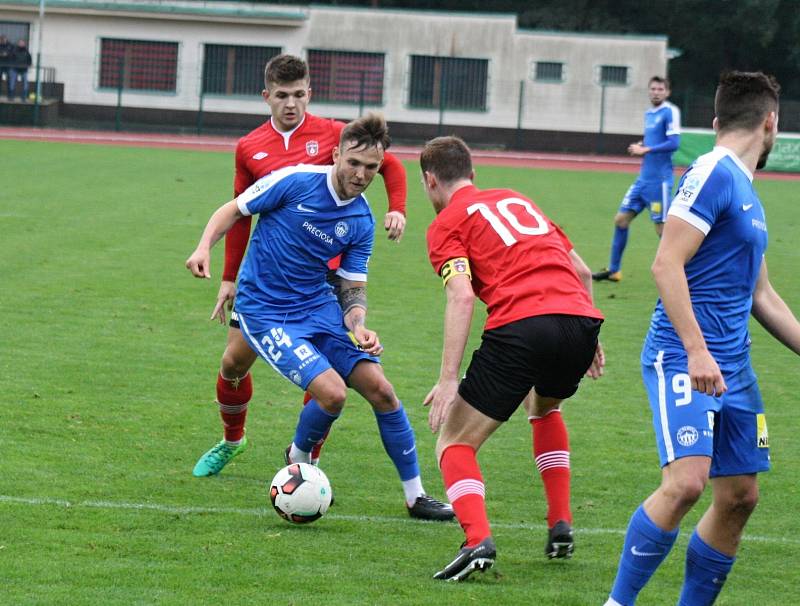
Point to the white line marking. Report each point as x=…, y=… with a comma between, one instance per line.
x=265, y=511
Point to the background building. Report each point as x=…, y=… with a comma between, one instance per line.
x=172, y=64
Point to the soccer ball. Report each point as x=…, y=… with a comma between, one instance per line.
x=300, y=493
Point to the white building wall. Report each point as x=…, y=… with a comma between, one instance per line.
x=71, y=45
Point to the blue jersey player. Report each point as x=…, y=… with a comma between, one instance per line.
x=708, y=414
x=287, y=310
x=653, y=188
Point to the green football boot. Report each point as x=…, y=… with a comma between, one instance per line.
x=211, y=463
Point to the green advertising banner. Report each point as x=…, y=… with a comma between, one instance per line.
x=785, y=156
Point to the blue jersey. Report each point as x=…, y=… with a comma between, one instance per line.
x=303, y=224
x=716, y=196
x=660, y=123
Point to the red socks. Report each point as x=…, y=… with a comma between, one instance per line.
x=551, y=452
x=465, y=490
x=232, y=397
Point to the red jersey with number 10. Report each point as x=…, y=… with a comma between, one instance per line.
x=519, y=259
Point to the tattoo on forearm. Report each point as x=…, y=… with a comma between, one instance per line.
x=353, y=297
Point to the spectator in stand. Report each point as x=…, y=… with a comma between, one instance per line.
x=6, y=50
x=20, y=62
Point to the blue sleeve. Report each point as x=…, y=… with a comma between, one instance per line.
x=704, y=194
x=266, y=194
x=355, y=259
x=671, y=144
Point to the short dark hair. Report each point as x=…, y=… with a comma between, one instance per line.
x=660, y=80
x=283, y=69
x=448, y=158
x=368, y=131
x=744, y=99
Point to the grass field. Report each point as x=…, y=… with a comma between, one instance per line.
x=107, y=369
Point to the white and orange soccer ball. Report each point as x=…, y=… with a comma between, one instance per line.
x=300, y=493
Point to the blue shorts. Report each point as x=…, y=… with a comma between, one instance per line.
x=303, y=346
x=731, y=429
x=654, y=195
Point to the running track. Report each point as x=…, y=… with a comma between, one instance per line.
x=228, y=144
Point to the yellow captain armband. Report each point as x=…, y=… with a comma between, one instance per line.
x=455, y=267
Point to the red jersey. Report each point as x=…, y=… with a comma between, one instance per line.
x=266, y=149
x=519, y=259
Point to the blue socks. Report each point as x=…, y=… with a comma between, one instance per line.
x=706, y=570
x=618, y=244
x=646, y=546
x=311, y=426
x=398, y=440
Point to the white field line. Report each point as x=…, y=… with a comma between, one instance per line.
x=264, y=511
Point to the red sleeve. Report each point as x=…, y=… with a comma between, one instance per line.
x=236, y=239
x=235, y=246
x=242, y=178
x=443, y=244
x=394, y=179
x=564, y=239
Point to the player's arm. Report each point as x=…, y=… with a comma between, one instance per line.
x=678, y=245
x=220, y=222
x=585, y=274
x=773, y=314
x=235, y=242
x=396, y=184
x=457, y=321
x=353, y=301
x=670, y=144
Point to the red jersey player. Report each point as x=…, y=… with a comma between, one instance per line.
x=291, y=136
x=539, y=340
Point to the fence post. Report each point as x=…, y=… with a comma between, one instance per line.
x=602, y=118
x=520, y=109
x=121, y=80
x=442, y=100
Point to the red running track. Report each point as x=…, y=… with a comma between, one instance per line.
x=622, y=164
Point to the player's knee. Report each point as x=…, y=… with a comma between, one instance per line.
x=333, y=399
x=622, y=220
x=234, y=364
x=685, y=490
x=382, y=396
x=742, y=501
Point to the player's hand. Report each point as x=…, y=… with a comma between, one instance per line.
x=637, y=149
x=368, y=340
x=226, y=294
x=395, y=223
x=440, y=399
x=598, y=363
x=705, y=374
x=200, y=263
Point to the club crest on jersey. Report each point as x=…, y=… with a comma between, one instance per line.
x=312, y=148
x=341, y=229
x=295, y=376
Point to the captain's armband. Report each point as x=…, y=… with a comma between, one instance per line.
x=455, y=267
x=353, y=297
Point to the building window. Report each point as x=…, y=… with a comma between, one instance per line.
x=138, y=65
x=448, y=83
x=235, y=70
x=548, y=71
x=15, y=31
x=346, y=76
x=613, y=75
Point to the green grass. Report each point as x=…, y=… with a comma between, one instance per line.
x=107, y=368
